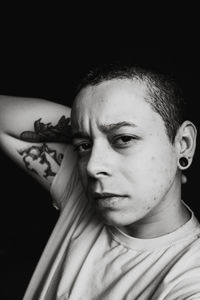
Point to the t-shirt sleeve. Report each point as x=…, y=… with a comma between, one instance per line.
x=188, y=289
x=187, y=286
x=68, y=195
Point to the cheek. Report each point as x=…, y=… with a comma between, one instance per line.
x=163, y=166
x=151, y=173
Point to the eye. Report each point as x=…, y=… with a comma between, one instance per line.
x=82, y=148
x=124, y=140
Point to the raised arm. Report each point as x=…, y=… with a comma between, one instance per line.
x=35, y=134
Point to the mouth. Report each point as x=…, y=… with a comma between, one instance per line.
x=107, y=200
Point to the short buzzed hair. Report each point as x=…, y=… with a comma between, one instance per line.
x=164, y=96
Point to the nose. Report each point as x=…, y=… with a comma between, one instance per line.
x=100, y=162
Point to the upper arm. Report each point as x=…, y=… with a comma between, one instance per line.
x=35, y=135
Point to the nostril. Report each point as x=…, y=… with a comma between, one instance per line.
x=104, y=173
x=97, y=174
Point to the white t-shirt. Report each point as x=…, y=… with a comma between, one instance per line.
x=86, y=260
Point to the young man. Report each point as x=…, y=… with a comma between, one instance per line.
x=124, y=231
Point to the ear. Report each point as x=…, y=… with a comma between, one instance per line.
x=185, y=141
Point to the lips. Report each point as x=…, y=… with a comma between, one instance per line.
x=107, y=200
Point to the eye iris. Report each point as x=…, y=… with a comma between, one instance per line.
x=85, y=146
x=125, y=139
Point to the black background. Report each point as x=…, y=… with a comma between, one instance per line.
x=49, y=69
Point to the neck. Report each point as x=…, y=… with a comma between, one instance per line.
x=164, y=220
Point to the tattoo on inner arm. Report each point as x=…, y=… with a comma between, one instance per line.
x=61, y=132
x=41, y=160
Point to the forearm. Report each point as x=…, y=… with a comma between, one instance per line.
x=33, y=119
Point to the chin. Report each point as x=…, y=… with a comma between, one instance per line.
x=112, y=219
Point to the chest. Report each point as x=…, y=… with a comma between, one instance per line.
x=109, y=270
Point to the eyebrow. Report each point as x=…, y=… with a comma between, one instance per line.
x=105, y=128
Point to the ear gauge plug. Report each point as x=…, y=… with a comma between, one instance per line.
x=183, y=163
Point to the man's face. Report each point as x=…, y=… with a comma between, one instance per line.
x=126, y=161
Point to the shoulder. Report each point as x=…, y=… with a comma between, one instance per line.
x=183, y=280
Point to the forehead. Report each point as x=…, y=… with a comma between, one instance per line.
x=113, y=101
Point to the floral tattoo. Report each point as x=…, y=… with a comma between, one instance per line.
x=42, y=159
x=49, y=133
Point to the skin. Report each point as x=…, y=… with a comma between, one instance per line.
x=123, y=149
